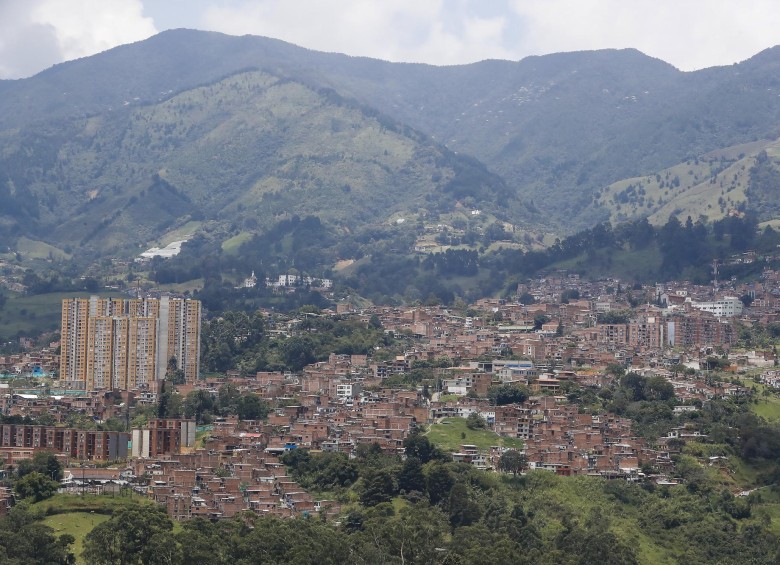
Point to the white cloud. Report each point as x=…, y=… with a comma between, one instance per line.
x=432, y=31
x=690, y=34
x=39, y=33
x=25, y=46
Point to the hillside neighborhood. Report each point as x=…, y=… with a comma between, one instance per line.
x=566, y=335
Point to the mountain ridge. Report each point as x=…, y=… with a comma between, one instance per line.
x=253, y=145
x=555, y=129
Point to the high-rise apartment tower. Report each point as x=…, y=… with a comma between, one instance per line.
x=126, y=344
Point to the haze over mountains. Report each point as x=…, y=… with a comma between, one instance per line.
x=113, y=150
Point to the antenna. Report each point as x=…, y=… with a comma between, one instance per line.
x=715, y=274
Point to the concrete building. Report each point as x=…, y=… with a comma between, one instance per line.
x=612, y=334
x=125, y=344
x=88, y=445
x=699, y=329
x=163, y=437
x=726, y=307
x=646, y=330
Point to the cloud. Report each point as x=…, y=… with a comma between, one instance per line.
x=35, y=34
x=432, y=31
x=690, y=34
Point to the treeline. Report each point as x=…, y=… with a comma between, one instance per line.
x=682, y=246
x=204, y=406
x=425, y=509
x=387, y=272
x=727, y=425
x=291, y=243
x=52, y=282
x=237, y=340
x=504, y=525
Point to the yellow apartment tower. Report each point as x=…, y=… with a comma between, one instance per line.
x=125, y=344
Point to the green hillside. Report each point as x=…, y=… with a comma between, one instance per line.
x=556, y=128
x=451, y=433
x=710, y=186
x=245, y=151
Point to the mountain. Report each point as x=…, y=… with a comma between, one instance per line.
x=244, y=151
x=710, y=186
x=101, y=146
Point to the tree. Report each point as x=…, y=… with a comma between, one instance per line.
x=415, y=535
x=204, y=542
x=419, y=446
x=615, y=370
x=614, y=317
x=36, y=486
x=716, y=363
x=512, y=461
x=273, y=540
x=297, y=352
x=44, y=462
x=171, y=404
x=128, y=537
x=199, y=404
x=463, y=510
x=540, y=320
x=24, y=540
x=173, y=373
x=500, y=395
x=378, y=487
x=374, y=323
x=162, y=549
x=475, y=421
x=526, y=299
x=411, y=478
x=228, y=397
x=658, y=388
x=252, y=407
x=571, y=294
x=438, y=481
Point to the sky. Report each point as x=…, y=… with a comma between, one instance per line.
x=689, y=34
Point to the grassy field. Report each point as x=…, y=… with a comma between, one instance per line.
x=768, y=407
x=32, y=249
x=231, y=245
x=192, y=286
x=33, y=314
x=99, y=504
x=710, y=185
x=77, y=515
x=625, y=264
x=77, y=524
x=182, y=232
x=451, y=433
x=768, y=506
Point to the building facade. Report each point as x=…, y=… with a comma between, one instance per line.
x=725, y=307
x=163, y=437
x=126, y=344
x=699, y=329
x=88, y=445
x=646, y=330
